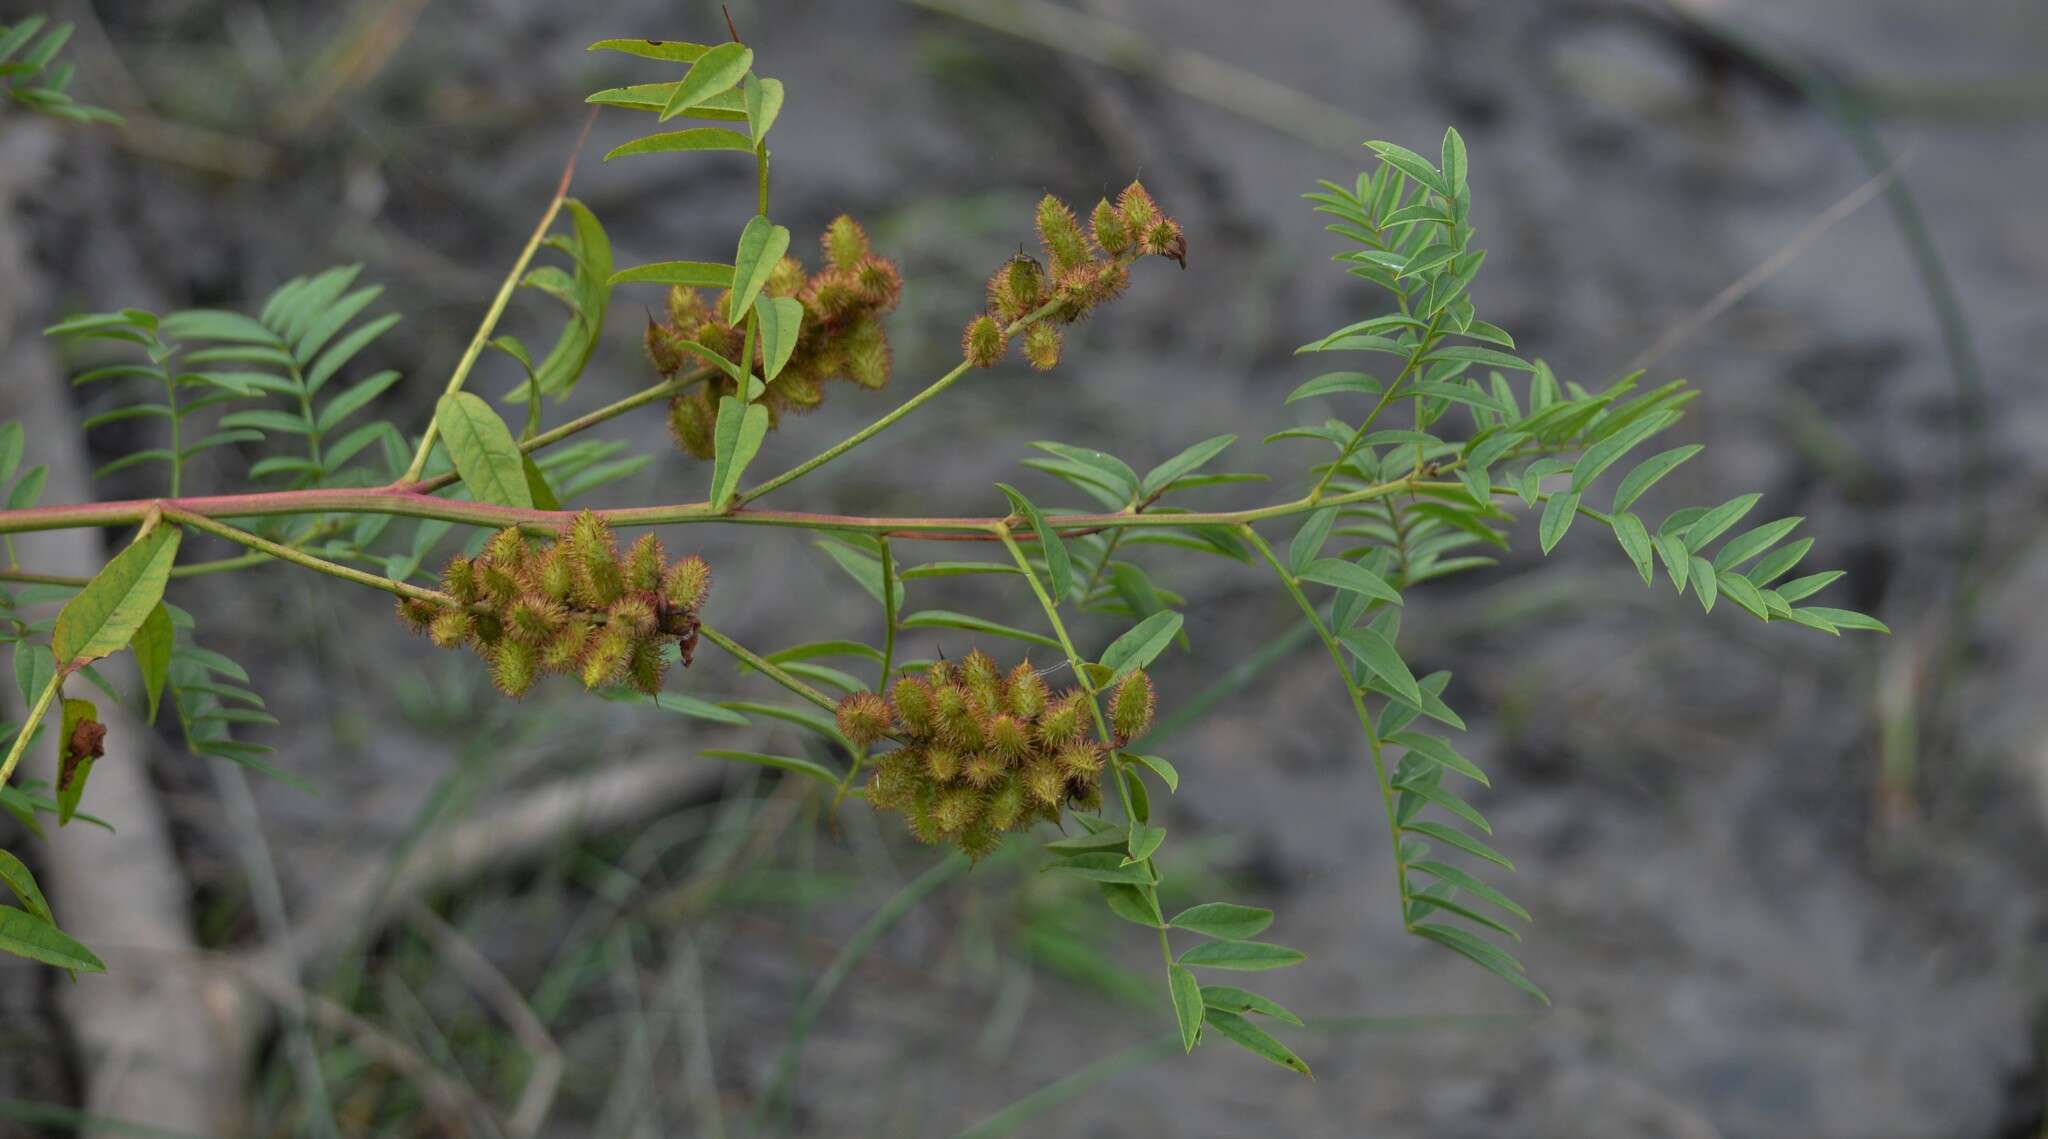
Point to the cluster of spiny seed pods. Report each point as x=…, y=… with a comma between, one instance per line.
x=984, y=753
x=574, y=605
x=841, y=338
x=1081, y=270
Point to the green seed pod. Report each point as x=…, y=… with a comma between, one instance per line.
x=941, y=763
x=983, y=681
x=459, y=581
x=1042, y=346
x=1112, y=232
x=863, y=718
x=1064, y=719
x=787, y=279
x=687, y=583
x=452, y=628
x=644, y=564
x=555, y=575
x=664, y=347
x=501, y=586
x=645, y=670
x=418, y=615
x=923, y=825
x=507, y=548
x=595, y=555
x=633, y=614
x=1024, y=692
x=1065, y=245
x=984, y=769
x=1130, y=708
x=1005, y=807
x=955, y=810
x=1080, y=761
x=1007, y=736
x=514, y=667
x=913, y=700
x=691, y=422
x=983, y=343
x=867, y=354
x=1138, y=208
x=488, y=630
x=845, y=242
x=980, y=840
x=1087, y=798
x=1044, y=783
x=686, y=307
x=609, y=654
x=532, y=619
x=564, y=651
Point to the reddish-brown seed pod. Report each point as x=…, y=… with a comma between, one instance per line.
x=867, y=354
x=690, y=422
x=532, y=619
x=664, y=347
x=633, y=614
x=1164, y=239
x=878, y=283
x=863, y=718
x=417, y=614
x=787, y=279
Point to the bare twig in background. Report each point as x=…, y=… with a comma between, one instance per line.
x=378, y=28
x=1770, y=267
x=462, y=955
x=1194, y=74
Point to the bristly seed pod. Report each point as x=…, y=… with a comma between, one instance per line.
x=1007, y=736
x=913, y=701
x=645, y=562
x=607, y=657
x=645, y=671
x=1080, y=760
x=867, y=354
x=1044, y=782
x=845, y=242
x=452, y=628
x=863, y=718
x=984, y=343
x=1065, y=245
x=686, y=308
x=941, y=763
x=687, y=583
x=459, y=581
x=417, y=614
x=1064, y=720
x=664, y=347
x=514, y=667
x=1137, y=207
x=983, y=769
x=691, y=422
x=1024, y=692
x=1164, y=239
x=532, y=619
x=1130, y=708
x=1042, y=346
x=1111, y=231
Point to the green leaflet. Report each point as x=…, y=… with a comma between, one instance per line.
x=762, y=244
x=737, y=438
x=110, y=610
x=485, y=454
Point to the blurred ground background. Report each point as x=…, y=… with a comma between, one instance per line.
x=1784, y=885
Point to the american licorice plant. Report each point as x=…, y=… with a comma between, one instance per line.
x=1456, y=437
